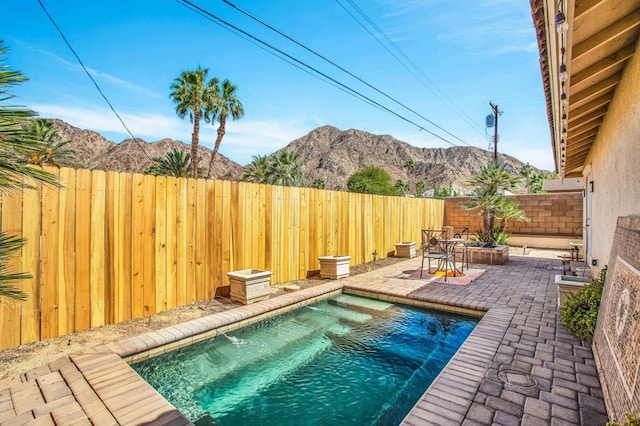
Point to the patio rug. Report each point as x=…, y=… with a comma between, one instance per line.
x=438, y=276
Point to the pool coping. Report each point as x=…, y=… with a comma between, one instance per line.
x=447, y=399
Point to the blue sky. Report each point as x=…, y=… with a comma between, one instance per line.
x=471, y=52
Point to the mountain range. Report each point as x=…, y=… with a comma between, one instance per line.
x=329, y=153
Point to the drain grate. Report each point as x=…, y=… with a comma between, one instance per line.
x=517, y=378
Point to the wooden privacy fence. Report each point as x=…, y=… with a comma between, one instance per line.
x=111, y=246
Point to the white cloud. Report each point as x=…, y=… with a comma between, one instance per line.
x=98, y=74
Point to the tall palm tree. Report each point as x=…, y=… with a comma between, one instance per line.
x=176, y=163
x=258, y=170
x=286, y=170
x=228, y=104
x=526, y=171
x=53, y=153
x=198, y=98
x=15, y=146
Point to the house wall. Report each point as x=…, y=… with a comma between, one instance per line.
x=615, y=163
x=552, y=215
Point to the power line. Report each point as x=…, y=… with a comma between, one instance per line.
x=354, y=92
x=92, y=79
x=422, y=77
x=290, y=62
x=255, y=18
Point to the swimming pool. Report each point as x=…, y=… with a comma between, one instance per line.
x=346, y=360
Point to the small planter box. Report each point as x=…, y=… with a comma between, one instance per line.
x=568, y=284
x=249, y=285
x=497, y=255
x=334, y=267
x=406, y=249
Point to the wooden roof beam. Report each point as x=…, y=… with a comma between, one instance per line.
x=592, y=134
x=575, y=161
x=597, y=89
x=576, y=131
x=586, y=118
x=586, y=142
x=604, y=64
x=609, y=33
x=583, y=6
x=591, y=106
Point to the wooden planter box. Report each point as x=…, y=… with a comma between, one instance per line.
x=488, y=255
x=406, y=249
x=567, y=284
x=334, y=267
x=249, y=285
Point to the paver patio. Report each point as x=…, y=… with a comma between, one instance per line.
x=519, y=366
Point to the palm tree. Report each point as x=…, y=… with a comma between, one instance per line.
x=15, y=146
x=402, y=187
x=228, y=104
x=409, y=165
x=526, y=170
x=257, y=170
x=286, y=170
x=176, y=163
x=198, y=98
x=318, y=184
x=487, y=197
x=52, y=153
x=420, y=186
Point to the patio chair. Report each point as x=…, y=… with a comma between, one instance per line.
x=460, y=249
x=435, y=246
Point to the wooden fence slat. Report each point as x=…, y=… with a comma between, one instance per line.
x=148, y=245
x=66, y=247
x=226, y=231
x=161, y=245
x=137, y=254
x=191, y=233
x=124, y=241
x=112, y=229
x=50, y=237
x=31, y=231
x=182, y=243
x=98, y=248
x=201, y=239
x=83, y=250
x=10, y=310
x=210, y=285
x=171, y=242
x=217, y=236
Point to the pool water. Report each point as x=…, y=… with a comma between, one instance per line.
x=346, y=360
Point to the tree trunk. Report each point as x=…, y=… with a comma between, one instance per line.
x=214, y=154
x=195, y=138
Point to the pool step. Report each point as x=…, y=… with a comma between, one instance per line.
x=375, y=305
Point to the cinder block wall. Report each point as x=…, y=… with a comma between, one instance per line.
x=558, y=214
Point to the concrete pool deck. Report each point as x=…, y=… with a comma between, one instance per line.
x=519, y=366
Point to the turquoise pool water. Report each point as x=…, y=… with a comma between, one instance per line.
x=347, y=360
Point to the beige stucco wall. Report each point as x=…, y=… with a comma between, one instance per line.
x=615, y=162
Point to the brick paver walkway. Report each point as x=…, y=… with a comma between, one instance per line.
x=519, y=366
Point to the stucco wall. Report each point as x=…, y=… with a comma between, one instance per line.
x=615, y=162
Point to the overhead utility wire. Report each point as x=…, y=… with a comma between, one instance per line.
x=92, y=79
x=255, y=18
x=422, y=77
x=274, y=53
x=356, y=93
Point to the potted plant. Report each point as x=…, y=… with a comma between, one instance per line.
x=249, y=285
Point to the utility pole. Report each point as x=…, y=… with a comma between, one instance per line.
x=496, y=113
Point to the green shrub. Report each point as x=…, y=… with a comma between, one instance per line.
x=629, y=420
x=580, y=311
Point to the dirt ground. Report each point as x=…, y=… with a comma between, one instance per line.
x=18, y=360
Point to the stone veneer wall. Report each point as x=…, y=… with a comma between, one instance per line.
x=616, y=343
x=551, y=214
